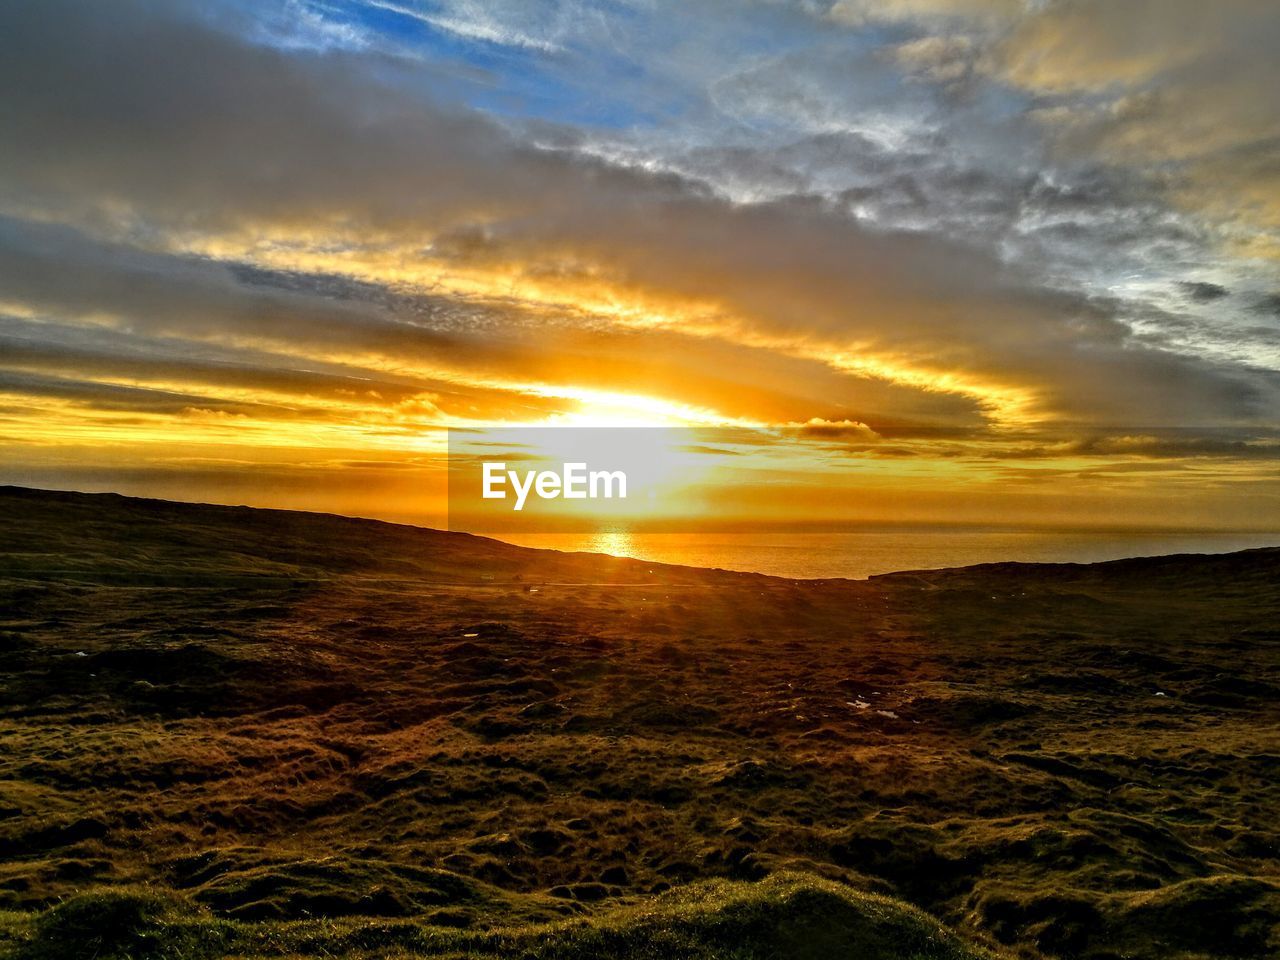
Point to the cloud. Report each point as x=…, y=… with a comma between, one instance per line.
x=1173, y=83
x=1165, y=445
x=1202, y=292
x=863, y=237
x=982, y=11
x=487, y=22
x=148, y=311
x=1268, y=304
x=61, y=348
x=839, y=429
x=940, y=59
x=111, y=396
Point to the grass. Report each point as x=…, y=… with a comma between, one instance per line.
x=787, y=915
x=229, y=732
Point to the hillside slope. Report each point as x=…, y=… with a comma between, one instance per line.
x=292, y=734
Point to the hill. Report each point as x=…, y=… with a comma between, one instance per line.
x=261, y=733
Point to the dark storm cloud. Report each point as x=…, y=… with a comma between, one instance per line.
x=1202, y=292
x=1268, y=304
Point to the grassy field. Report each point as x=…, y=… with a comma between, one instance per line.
x=229, y=732
x=786, y=915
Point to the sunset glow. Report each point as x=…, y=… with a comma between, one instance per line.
x=920, y=246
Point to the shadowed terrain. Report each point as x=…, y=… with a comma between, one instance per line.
x=258, y=733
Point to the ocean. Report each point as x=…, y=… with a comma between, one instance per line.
x=862, y=554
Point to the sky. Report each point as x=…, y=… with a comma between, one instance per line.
x=974, y=261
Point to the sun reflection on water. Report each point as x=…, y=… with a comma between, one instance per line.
x=616, y=542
